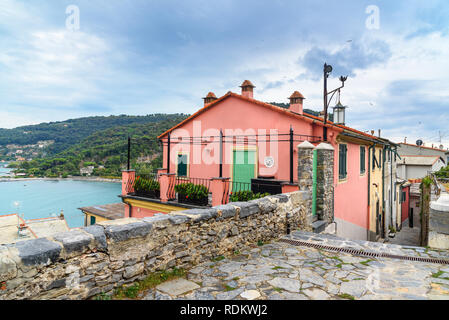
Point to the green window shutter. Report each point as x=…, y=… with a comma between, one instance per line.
x=362, y=160
x=342, y=159
x=182, y=165
x=93, y=220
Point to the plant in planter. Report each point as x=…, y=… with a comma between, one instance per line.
x=246, y=196
x=147, y=187
x=192, y=193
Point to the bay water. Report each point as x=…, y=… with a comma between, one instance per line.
x=46, y=198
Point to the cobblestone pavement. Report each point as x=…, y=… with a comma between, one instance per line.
x=408, y=236
x=281, y=271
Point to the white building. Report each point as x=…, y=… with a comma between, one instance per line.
x=417, y=167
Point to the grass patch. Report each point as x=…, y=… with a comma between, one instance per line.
x=151, y=281
x=336, y=258
x=228, y=288
x=277, y=289
x=260, y=243
x=365, y=263
x=346, y=296
x=103, y=296
x=438, y=274
x=339, y=265
x=277, y=268
x=219, y=258
x=235, y=278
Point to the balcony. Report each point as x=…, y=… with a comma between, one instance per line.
x=190, y=192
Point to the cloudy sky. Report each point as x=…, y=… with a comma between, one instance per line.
x=147, y=56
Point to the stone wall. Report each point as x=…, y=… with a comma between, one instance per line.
x=84, y=262
x=438, y=228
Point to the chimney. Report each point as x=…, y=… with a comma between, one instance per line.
x=379, y=132
x=372, y=132
x=321, y=115
x=296, y=100
x=209, y=98
x=247, y=89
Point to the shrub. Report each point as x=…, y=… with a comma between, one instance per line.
x=192, y=191
x=246, y=196
x=146, y=185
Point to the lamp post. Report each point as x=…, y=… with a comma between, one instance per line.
x=326, y=72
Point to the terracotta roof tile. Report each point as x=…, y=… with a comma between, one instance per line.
x=247, y=83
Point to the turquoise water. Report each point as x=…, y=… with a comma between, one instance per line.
x=4, y=171
x=42, y=199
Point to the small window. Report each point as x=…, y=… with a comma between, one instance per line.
x=374, y=160
x=182, y=165
x=362, y=160
x=342, y=161
x=93, y=220
x=379, y=164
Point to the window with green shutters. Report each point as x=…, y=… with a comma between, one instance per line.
x=362, y=160
x=182, y=165
x=342, y=161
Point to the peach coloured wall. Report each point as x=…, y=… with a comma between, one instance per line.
x=351, y=195
x=233, y=113
x=142, y=212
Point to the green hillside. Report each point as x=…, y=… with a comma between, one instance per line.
x=71, y=132
x=106, y=150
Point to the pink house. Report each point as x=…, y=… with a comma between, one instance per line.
x=248, y=141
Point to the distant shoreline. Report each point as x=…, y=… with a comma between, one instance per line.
x=93, y=179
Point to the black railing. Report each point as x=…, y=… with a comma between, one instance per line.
x=235, y=191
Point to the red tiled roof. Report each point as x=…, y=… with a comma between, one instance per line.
x=307, y=117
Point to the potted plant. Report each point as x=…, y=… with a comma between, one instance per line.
x=147, y=187
x=190, y=193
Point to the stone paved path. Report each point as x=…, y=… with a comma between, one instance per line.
x=408, y=236
x=280, y=271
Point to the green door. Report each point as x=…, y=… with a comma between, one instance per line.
x=244, y=165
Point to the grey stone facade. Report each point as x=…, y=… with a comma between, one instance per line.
x=82, y=263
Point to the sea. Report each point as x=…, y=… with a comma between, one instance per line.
x=36, y=199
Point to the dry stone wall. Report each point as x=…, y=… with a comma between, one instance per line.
x=84, y=262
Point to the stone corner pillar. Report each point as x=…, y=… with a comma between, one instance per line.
x=325, y=182
x=305, y=166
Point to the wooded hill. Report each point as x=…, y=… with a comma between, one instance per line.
x=105, y=149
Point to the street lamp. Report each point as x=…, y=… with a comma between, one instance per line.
x=327, y=71
x=339, y=112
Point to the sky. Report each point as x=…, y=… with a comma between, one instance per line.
x=140, y=57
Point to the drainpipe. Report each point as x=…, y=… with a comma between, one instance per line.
x=369, y=188
x=314, y=182
x=383, y=192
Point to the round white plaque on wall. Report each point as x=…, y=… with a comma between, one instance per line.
x=269, y=162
